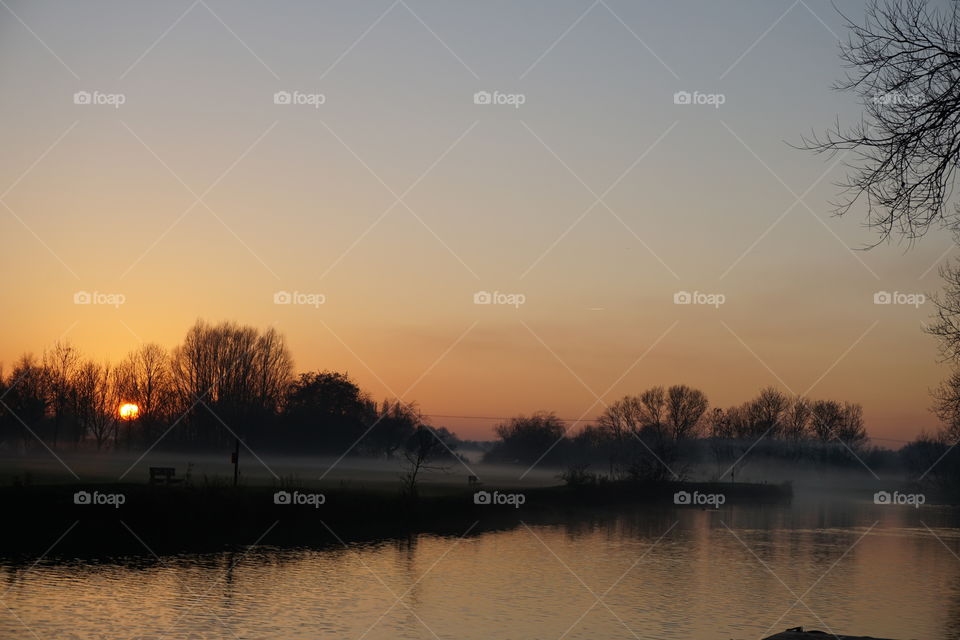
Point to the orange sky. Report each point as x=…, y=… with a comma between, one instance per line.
x=399, y=198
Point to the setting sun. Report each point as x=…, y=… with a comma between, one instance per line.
x=129, y=411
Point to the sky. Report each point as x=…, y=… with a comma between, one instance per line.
x=383, y=163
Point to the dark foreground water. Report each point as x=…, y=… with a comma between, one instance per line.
x=845, y=566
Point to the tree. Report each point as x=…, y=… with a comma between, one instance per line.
x=767, y=412
x=426, y=450
x=650, y=427
x=231, y=375
x=832, y=420
x=60, y=363
x=718, y=424
x=796, y=420
x=852, y=431
x=144, y=378
x=685, y=408
x=826, y=418
x=326, y=410
x=525, y=439
x=946, y=324
x=392, y=426
x=96, y=400
x=947, y=406
x=904, y=64
x=26, y=399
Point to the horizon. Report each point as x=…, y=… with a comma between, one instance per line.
x=573, y=425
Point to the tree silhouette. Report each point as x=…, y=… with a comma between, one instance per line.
x=904, y=64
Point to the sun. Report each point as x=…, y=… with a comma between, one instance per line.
x=129, y=411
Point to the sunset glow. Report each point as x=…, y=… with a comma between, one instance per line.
x=129, y=411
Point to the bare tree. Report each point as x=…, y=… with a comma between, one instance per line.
x=827, y=416
x=685, y=409
x=61, y=362
x=393, y=424
x=718, y=424
x=426, y=450
x=796, y=420
x=619, y=423
x=26, y=399
x=653, y=408
x=904, y=64
x=623, y=418
x=96, y=400
x=229, y=374
x=146, y=379
x=768, y=410
x=947, y=406
x=832, y=420
x=946, y=323
x=649, y=428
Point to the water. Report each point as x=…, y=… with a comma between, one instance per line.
x=737, y=573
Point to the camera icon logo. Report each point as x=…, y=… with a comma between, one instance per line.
x=82, y=297
x=483, y=297
x=282, y=97
x=81, y=497
x=281, y=497
x=482, y=97
x=82, y=97
x=881, y=497
x=681, y=497
x=882, y=297
x=682, y=297
x=481, y=497
x=282, y=297
x=682, y=97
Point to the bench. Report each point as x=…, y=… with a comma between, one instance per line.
x=163, y=475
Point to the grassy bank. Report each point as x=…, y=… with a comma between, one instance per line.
x=120, y=519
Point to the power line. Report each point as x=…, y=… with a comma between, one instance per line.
x=500, y=418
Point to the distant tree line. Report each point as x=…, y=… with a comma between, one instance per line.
x=223, y=381
x=227, y=380
x=659, y=433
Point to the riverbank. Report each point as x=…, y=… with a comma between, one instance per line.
x=117, y=519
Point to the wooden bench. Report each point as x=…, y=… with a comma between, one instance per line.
x=163, y=475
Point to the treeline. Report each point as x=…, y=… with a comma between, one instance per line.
x=659, y=433
x=223, y=381
x=227, y=380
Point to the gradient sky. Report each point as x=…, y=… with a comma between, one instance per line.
x=493, y=197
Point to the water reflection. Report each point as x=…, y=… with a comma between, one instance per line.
x=664, y=573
